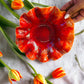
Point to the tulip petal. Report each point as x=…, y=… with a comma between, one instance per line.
x=1, y=54
x=10, y=80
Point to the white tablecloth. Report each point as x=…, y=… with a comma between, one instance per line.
x=74, y=74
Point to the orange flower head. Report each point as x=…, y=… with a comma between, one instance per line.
x=39, y=79
x=58, y=73
x=14, y=75
x=44, y=34
x=17, y=4
x=36, y=81
x=1, y=54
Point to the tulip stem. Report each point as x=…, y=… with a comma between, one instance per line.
x=1, y=61
x=11, y=43
x=40, y=5
x=33, y=74
x=6, y=6
x=6, y=22
x=78, y=63
x=48, y=77
x=48, y=81
x=79, y=32
x=24, y=60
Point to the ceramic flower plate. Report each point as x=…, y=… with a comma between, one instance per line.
x=44, y=34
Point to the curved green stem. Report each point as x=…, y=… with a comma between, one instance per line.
x=6, y=6
x=1, y=61
x=79, y=32
x=78, y=63
x=40, y=5
x=1, y=65
x=48, y=77
x=28, y=5
x=11, y=43
x=25, y=61
x=49, y=81
x=33, y=74
x=6, y=22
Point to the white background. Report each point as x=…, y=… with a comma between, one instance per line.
x=74, y=74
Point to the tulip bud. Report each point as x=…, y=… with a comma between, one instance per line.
x=14, y=75
x=39, y=79
x=1, y=54
x=17, y=4
x=58, y=73
x=36, y=81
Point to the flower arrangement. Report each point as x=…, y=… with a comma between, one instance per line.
x=43, y=34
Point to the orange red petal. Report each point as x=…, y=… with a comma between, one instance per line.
x=10, y=80
x=36, y=81
x=1, y=54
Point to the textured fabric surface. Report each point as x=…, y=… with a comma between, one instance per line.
x=68, y=62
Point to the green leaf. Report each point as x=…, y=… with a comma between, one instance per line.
x=28, y=5
x=5, y=22
x=1, y=65
x=10, y=10
x=39, y=5
x=11, y=43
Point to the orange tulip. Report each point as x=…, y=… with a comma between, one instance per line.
x=1, y=54
x=39, y=79
x=17, y=4
x=58, y=73
x=36, y=81
x=14, y=75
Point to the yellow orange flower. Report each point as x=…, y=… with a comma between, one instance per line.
x=17, y=4
x=58, y=73
x=39, y=79
x=1, y=54
x=36, y=81
x=14, y=75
